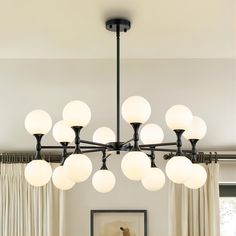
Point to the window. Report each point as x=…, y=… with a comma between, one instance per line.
x=228, y=210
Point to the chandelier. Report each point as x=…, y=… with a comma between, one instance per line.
x=138, y=164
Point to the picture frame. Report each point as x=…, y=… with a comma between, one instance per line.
x=118, y=222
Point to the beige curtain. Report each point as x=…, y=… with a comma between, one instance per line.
x=27, y=210
x=195, y=212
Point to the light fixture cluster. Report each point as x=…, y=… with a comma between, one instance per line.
x=138, y=164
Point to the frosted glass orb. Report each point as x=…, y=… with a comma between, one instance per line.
x=135, y=165
x=179, y=117
x=104, y=181
x=61, y=180
x=78, y=167
x=38, y=122
x=179, y=169
x=198, y=177
x=136, y=109
x=62, y=132
x=154, y=180
x=104, y=135
x=76, y=113
x=151, y=133
x=197, y=129
x=38, y=172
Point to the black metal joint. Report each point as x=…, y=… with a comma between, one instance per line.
x=136, y=127
x=152, y=157
x=77, y=130
x=194, y=151
x=38, y=146
x=64, y=152
x=179, y=133
x=104, y=160
x=104, y=166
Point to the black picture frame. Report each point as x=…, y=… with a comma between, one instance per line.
x=94, y=212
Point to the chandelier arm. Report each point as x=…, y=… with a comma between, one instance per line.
x=164, y=150
x=107, y=156
x=158, y=144
x=94, y=143
x=158, y=149
x=55, y=147
x=93, y=150
x=127, y=142
x=68, y=147
x=92, y=147
x=88, y=151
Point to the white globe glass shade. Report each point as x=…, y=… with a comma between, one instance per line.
x=62, y=132
x=78, y=167
x=38, y=172
x=154, y=180
x=179, y=169
x=179, y=117
x=61, y=180
x=198, y=177
x=135, y=165
x=76, y=113
x=104, y=135
x=136, y=109
x=38, y=122
x=104, y=181
x=197, y=129
x=151, y=133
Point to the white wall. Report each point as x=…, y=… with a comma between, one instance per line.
x=228, y=172
x=126, y=195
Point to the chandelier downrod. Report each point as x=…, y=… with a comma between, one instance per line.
x=118, y=83
x=118, y=26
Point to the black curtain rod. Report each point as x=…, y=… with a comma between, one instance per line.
x=25, y=157
x=223, y=157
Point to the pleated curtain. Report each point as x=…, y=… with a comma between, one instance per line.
x=26, y=210
x=195, y=212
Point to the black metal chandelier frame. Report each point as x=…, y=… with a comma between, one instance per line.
x=118, y=26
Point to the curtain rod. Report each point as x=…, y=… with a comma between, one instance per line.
x=226, y=157
x=25, y=157
x=204, y=157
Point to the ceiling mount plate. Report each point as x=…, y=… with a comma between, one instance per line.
x=112, y=25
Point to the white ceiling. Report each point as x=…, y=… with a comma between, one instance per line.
x=160, y=28
x=206, y=86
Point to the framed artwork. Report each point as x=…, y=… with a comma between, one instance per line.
x=118, y=223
